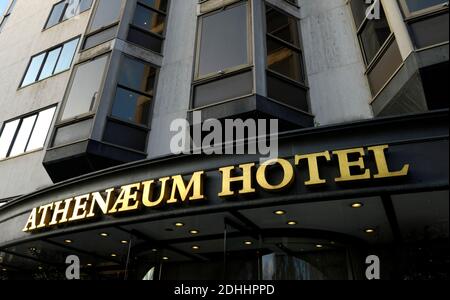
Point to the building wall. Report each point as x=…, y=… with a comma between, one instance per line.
x=339, y=90
x=21, y=38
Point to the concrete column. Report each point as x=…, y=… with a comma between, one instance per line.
x=398, y=26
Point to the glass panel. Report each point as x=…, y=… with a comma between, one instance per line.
x=284, y=60
x=282, y=26
x=55, y=15
x=125, y=136
x=224, y=89
x=72, y=9
x=85, y=5
x=373, y=36
x=158, y=4
x=383, y=70
x=107, y=13
x=132, y=107
x=287, y=93
x=223, y=42
x=67, y=54
x=137, y=75
x=430, y=31
x=100, y=37
x=7, y=136
x=33, y=69
x=41, y=128
x=359, y=10
x=23, y=136
x=85, y=87
x=73, y=133
x=50, y=63
x=416, y=5
x=145, y=40
x=149, y=20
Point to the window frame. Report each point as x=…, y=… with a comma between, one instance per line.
x=17, y=130
x=161, y=37
x=423, y=12
x=121, y=86
x=89, y=32
x=61, y=18
x=302, y=85
x=5, y=16
x=298, y=49
x=62, y=123
x=46, y=52
x=370, y=64
x=227, y=72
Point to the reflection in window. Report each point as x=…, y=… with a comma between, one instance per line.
x=135, y=91
x=103, y=26
x=223, y=41
x=67, y=9
x=86, y=83
x=286, y=81
x=418, y=5
x=51, y=62
x=107, y=13
x=147, y=28
x=25, y=134
x=373, y=36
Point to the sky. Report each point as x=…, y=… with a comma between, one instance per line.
x=3, y=4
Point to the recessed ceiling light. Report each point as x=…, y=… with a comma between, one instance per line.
x=319, y=246
x=104, y=234
x=113, y=255
x=357, y=205
x=369, y=230
x=248, y=243
x=89, y=265
x=165, y=258
x=68, y=241
x=124, y=242
x=179, y=224
x=194, y=231
x=292, y=223
x=40, y=268
x=4, y=270
x=280, y=212
x=154, y=250
x=195, y=248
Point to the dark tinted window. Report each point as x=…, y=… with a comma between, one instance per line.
x=223, y=41
x=374, y=35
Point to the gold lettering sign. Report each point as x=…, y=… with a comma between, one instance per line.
x=244, y=179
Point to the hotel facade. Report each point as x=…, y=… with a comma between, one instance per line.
x=89, y=91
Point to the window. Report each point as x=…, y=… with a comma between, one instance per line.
x=148, y=24
x=103, y=26
x=67, y=9
x=5, y=18
x=284, y=55
x=373, y=33
x=223, y=43
x=85, y=86
x=414, y=7
x=135, y=91
x=285, y=72
x=223, y=69
x=50, y=62
x=25, y=134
